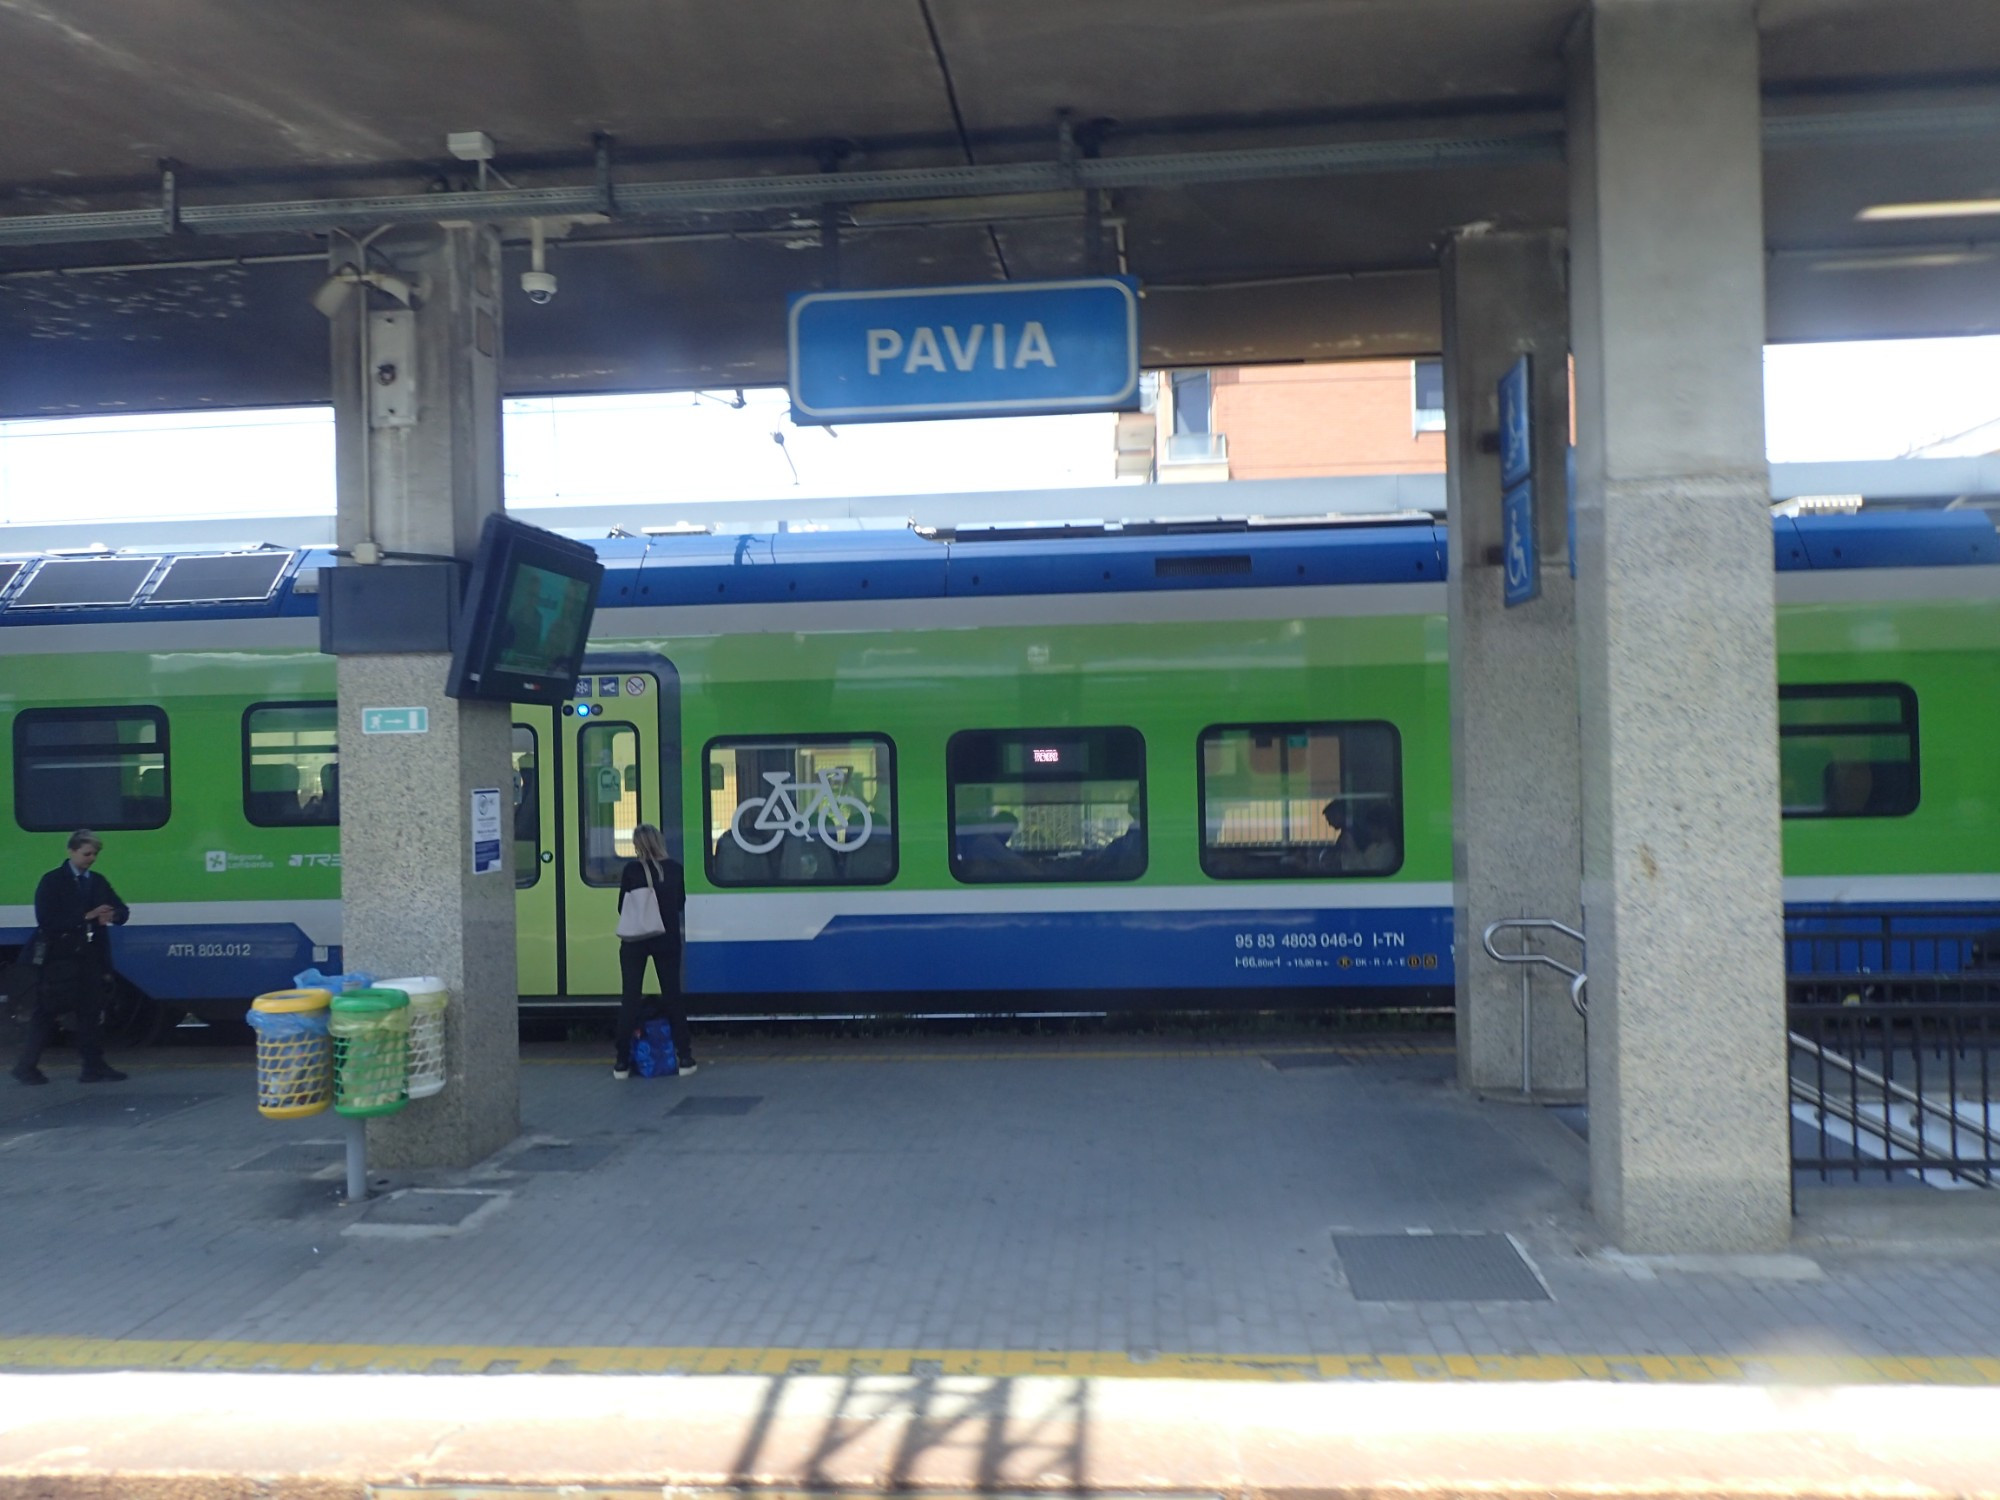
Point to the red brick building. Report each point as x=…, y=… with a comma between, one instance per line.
x=1288, y=421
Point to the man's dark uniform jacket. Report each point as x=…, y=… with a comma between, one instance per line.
x=60, y=902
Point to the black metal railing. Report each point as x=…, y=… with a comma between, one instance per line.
x=1902, y=954
x=1893, y=1086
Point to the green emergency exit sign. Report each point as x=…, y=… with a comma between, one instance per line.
x=395, y=721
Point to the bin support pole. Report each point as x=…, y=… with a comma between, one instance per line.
x=357, y=1159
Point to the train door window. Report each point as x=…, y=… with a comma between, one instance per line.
x=291, y=765
x=1301, y=801
x=99, y=768
x=607, y=770
x=801, y=810
x=1848, y=750
x=1047, y=804
x=527, y=808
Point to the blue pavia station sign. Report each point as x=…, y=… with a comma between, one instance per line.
x=965, y=351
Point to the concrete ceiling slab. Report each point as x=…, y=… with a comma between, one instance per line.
x=257, y=102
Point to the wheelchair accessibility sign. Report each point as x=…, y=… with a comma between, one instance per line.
x=1523, y=562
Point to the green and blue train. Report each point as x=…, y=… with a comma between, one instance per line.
x=1082, y=769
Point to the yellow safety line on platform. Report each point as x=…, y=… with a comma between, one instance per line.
x=40, y=1354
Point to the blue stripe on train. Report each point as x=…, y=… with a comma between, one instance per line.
x=1089, y=950
x=210, y=962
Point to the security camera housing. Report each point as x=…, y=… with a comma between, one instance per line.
x=540, y=286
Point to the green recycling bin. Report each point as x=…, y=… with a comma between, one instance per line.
x=371, y=1051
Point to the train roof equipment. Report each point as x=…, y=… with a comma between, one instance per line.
x=688, y=566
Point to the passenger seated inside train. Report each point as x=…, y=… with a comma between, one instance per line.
x=735, y=865
x=1124, y=858
x=274, y=794
x=984, y=848
x=1867, y=789
x=1369, y=841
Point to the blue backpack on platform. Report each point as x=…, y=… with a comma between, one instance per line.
x=653, y=1051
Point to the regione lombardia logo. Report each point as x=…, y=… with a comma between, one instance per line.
x=218, y=861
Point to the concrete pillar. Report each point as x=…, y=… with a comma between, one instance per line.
x=1516, y=831
x=417, y=434
x=1689, y=1137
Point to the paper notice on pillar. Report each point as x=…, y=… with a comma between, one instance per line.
x=486, y=831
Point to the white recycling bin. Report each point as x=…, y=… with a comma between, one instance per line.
x=427, y=1012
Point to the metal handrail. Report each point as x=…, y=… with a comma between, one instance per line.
x=1884, y=1129
x=1526, y=958
x=1890, y=1089
x=1578, y=979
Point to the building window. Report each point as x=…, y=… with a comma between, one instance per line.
x=1047, y=804
x=1301, y=801
x=527, y=808
x=1193, y=438
x=1192, y=401
x=291, y=765
x=1427, y=395
x=97, y=768
x=607, y=776
x=1848, y=750
x=801, y=810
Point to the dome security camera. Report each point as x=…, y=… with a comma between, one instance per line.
x=540, y=286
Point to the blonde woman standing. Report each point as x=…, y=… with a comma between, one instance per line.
x=653, y=870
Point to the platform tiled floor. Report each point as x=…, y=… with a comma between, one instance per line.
x=1062, y=1204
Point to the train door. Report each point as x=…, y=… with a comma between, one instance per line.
x=585, y=777
x=535, y=843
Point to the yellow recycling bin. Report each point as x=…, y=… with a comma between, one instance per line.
x=294, y=1053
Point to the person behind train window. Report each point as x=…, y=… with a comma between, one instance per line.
x=1124, y=857
x=75, y=910
x=653, y=868
x=986, y=847
x=1369, y=843
x=1849, y=787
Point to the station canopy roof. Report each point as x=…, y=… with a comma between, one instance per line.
x=1378, y=126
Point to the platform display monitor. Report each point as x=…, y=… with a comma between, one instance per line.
x=526, y=615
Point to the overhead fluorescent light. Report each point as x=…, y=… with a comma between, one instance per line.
x=987, y=208
x=1944, y=208
x=1904, y=260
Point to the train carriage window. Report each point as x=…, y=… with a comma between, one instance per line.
x=291, y=765
x=101, y=768
x=607, y=772
x=1848, y=750
x=527, y=809
x=1301, y=801
x=1047, y=804
x=801, y=810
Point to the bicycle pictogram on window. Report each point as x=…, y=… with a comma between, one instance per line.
x=801, y=807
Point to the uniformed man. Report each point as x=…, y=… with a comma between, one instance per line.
x=75, y=910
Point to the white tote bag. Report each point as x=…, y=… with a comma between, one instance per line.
x=639, y=913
